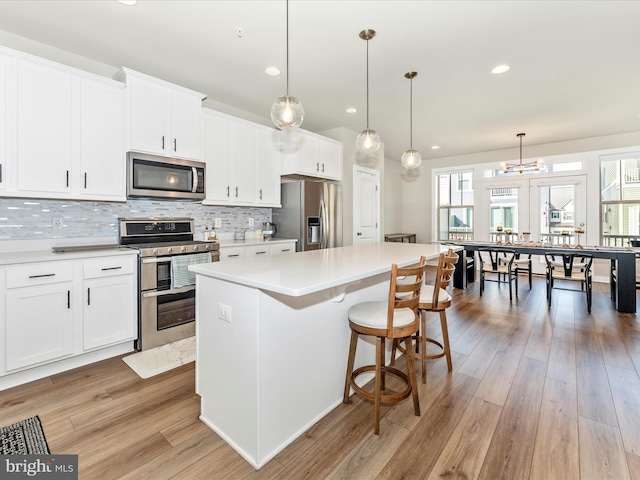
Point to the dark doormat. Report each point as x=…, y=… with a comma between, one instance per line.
x=23, y=438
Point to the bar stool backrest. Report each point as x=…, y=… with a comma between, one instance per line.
x=444, y=274
x=409, y=291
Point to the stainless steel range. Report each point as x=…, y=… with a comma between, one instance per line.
x=167, y=291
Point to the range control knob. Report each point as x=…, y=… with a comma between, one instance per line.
x=155, y=251
x=196, y=248
x=183, y=249
x=169, y=250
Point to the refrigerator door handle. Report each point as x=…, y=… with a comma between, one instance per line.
x=324, y=225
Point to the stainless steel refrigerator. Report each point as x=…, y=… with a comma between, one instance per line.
x=311, y=213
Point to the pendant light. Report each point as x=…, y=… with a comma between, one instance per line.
x=521, y=167
x=411, y=158
x=287, y=112
x=368, y=141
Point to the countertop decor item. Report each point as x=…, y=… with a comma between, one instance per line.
x=287, y=112
x=368, y=141
x=521, y=167
x=411, y=158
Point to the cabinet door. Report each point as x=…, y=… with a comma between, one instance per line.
x=3, y=123
x=244, y=158
x=309, y=155
x=109, y=311
x=149, y=116
x=331, y=160
x=186, y=126
x=39, y=325
x=263, y=250
x=45, y=136
x=283, y=248
x=217, y=155
x=102, y=173
x=268, y=167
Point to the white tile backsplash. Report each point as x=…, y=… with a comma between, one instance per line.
x=30, y=219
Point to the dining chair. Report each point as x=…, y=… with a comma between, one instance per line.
x=395, y=318
x=571, y=267
x=500, y=263
x=433, y=298
x=522, y=263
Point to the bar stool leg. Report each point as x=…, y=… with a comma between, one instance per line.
x=350, y=363
x=411, y=370
x=423, y=344
x=378, y=387
x=445, y=337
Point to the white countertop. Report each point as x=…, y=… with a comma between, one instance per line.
x=303, y=273
x=12, y=258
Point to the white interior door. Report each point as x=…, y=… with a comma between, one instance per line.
x=366, y=205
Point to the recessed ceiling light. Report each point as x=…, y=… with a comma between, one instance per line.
x=272, y=71
x=351, y=110
x=500, y=69
x=127, y=2
x=435, y=147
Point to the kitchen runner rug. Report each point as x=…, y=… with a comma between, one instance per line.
x=161, y=359
x=23, y=438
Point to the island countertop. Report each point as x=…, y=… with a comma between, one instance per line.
x=313, y=271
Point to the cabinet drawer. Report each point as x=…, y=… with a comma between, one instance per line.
x=39, y=274
x=282, y=248
x=109, y=266
x=257, y=251
x=231, y=253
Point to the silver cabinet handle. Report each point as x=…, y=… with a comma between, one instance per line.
x=88, y=296
x=44, y=275
x=111, y=268
x=163, y=142
x=260, y=253
x=175, y=144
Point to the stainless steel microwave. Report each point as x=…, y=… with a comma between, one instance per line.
x=152, y=176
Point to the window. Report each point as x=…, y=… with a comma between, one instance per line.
x=455, y=206
x=504, y=208
x=620, y=199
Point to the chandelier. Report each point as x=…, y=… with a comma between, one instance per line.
x=521, y=167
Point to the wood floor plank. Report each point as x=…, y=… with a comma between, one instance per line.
x=479, y=360
x=370, y=456
x=602, y=454
x=613, y=348
x=506, y=460
x=594, y=394
x=519, y=419
x=539, y=341
x=464, y=453
x=633, y=462
x=562, y=356
x=496, y=383
x=556, y=451
x=625, y=388
x=412, y=458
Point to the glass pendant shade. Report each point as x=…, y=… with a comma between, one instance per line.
x=368, y=141
x=287, y=112
x=411, y=159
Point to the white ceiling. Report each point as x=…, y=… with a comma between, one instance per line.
x=575, y=67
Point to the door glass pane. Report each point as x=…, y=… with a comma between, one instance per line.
x=456, y=223
x=557, y=204
x=504, y=208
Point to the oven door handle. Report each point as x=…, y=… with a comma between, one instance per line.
x=156, y=260
x=161, y=293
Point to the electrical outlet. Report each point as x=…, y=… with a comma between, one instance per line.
x=57, y=223
x=224, y=312
x=217, y=222
x=252, y=222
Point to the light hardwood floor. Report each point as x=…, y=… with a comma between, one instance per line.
x=535, y=394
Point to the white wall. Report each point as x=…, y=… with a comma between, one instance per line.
x=392, y=199
x=417, y=188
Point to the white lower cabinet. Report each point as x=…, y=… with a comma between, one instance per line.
x=39, y=324
x=109, y=314
x=257, y=250
x=54, y=310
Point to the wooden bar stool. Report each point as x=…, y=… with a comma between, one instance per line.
x=396, y=318
x=433, y=298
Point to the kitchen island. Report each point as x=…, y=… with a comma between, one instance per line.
x=272, y=338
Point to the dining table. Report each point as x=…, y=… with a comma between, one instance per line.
x=622, y=271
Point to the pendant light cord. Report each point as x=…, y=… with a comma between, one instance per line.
x=520, y=150
x=287, y=48
x=411, y=113
x=367, y=84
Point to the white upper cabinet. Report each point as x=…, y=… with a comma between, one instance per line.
x=243, y=162
x=63, y=134
x=164, y=119
x=305, y=153
x=3, y=122
x=45, y=128
x=102, y=157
